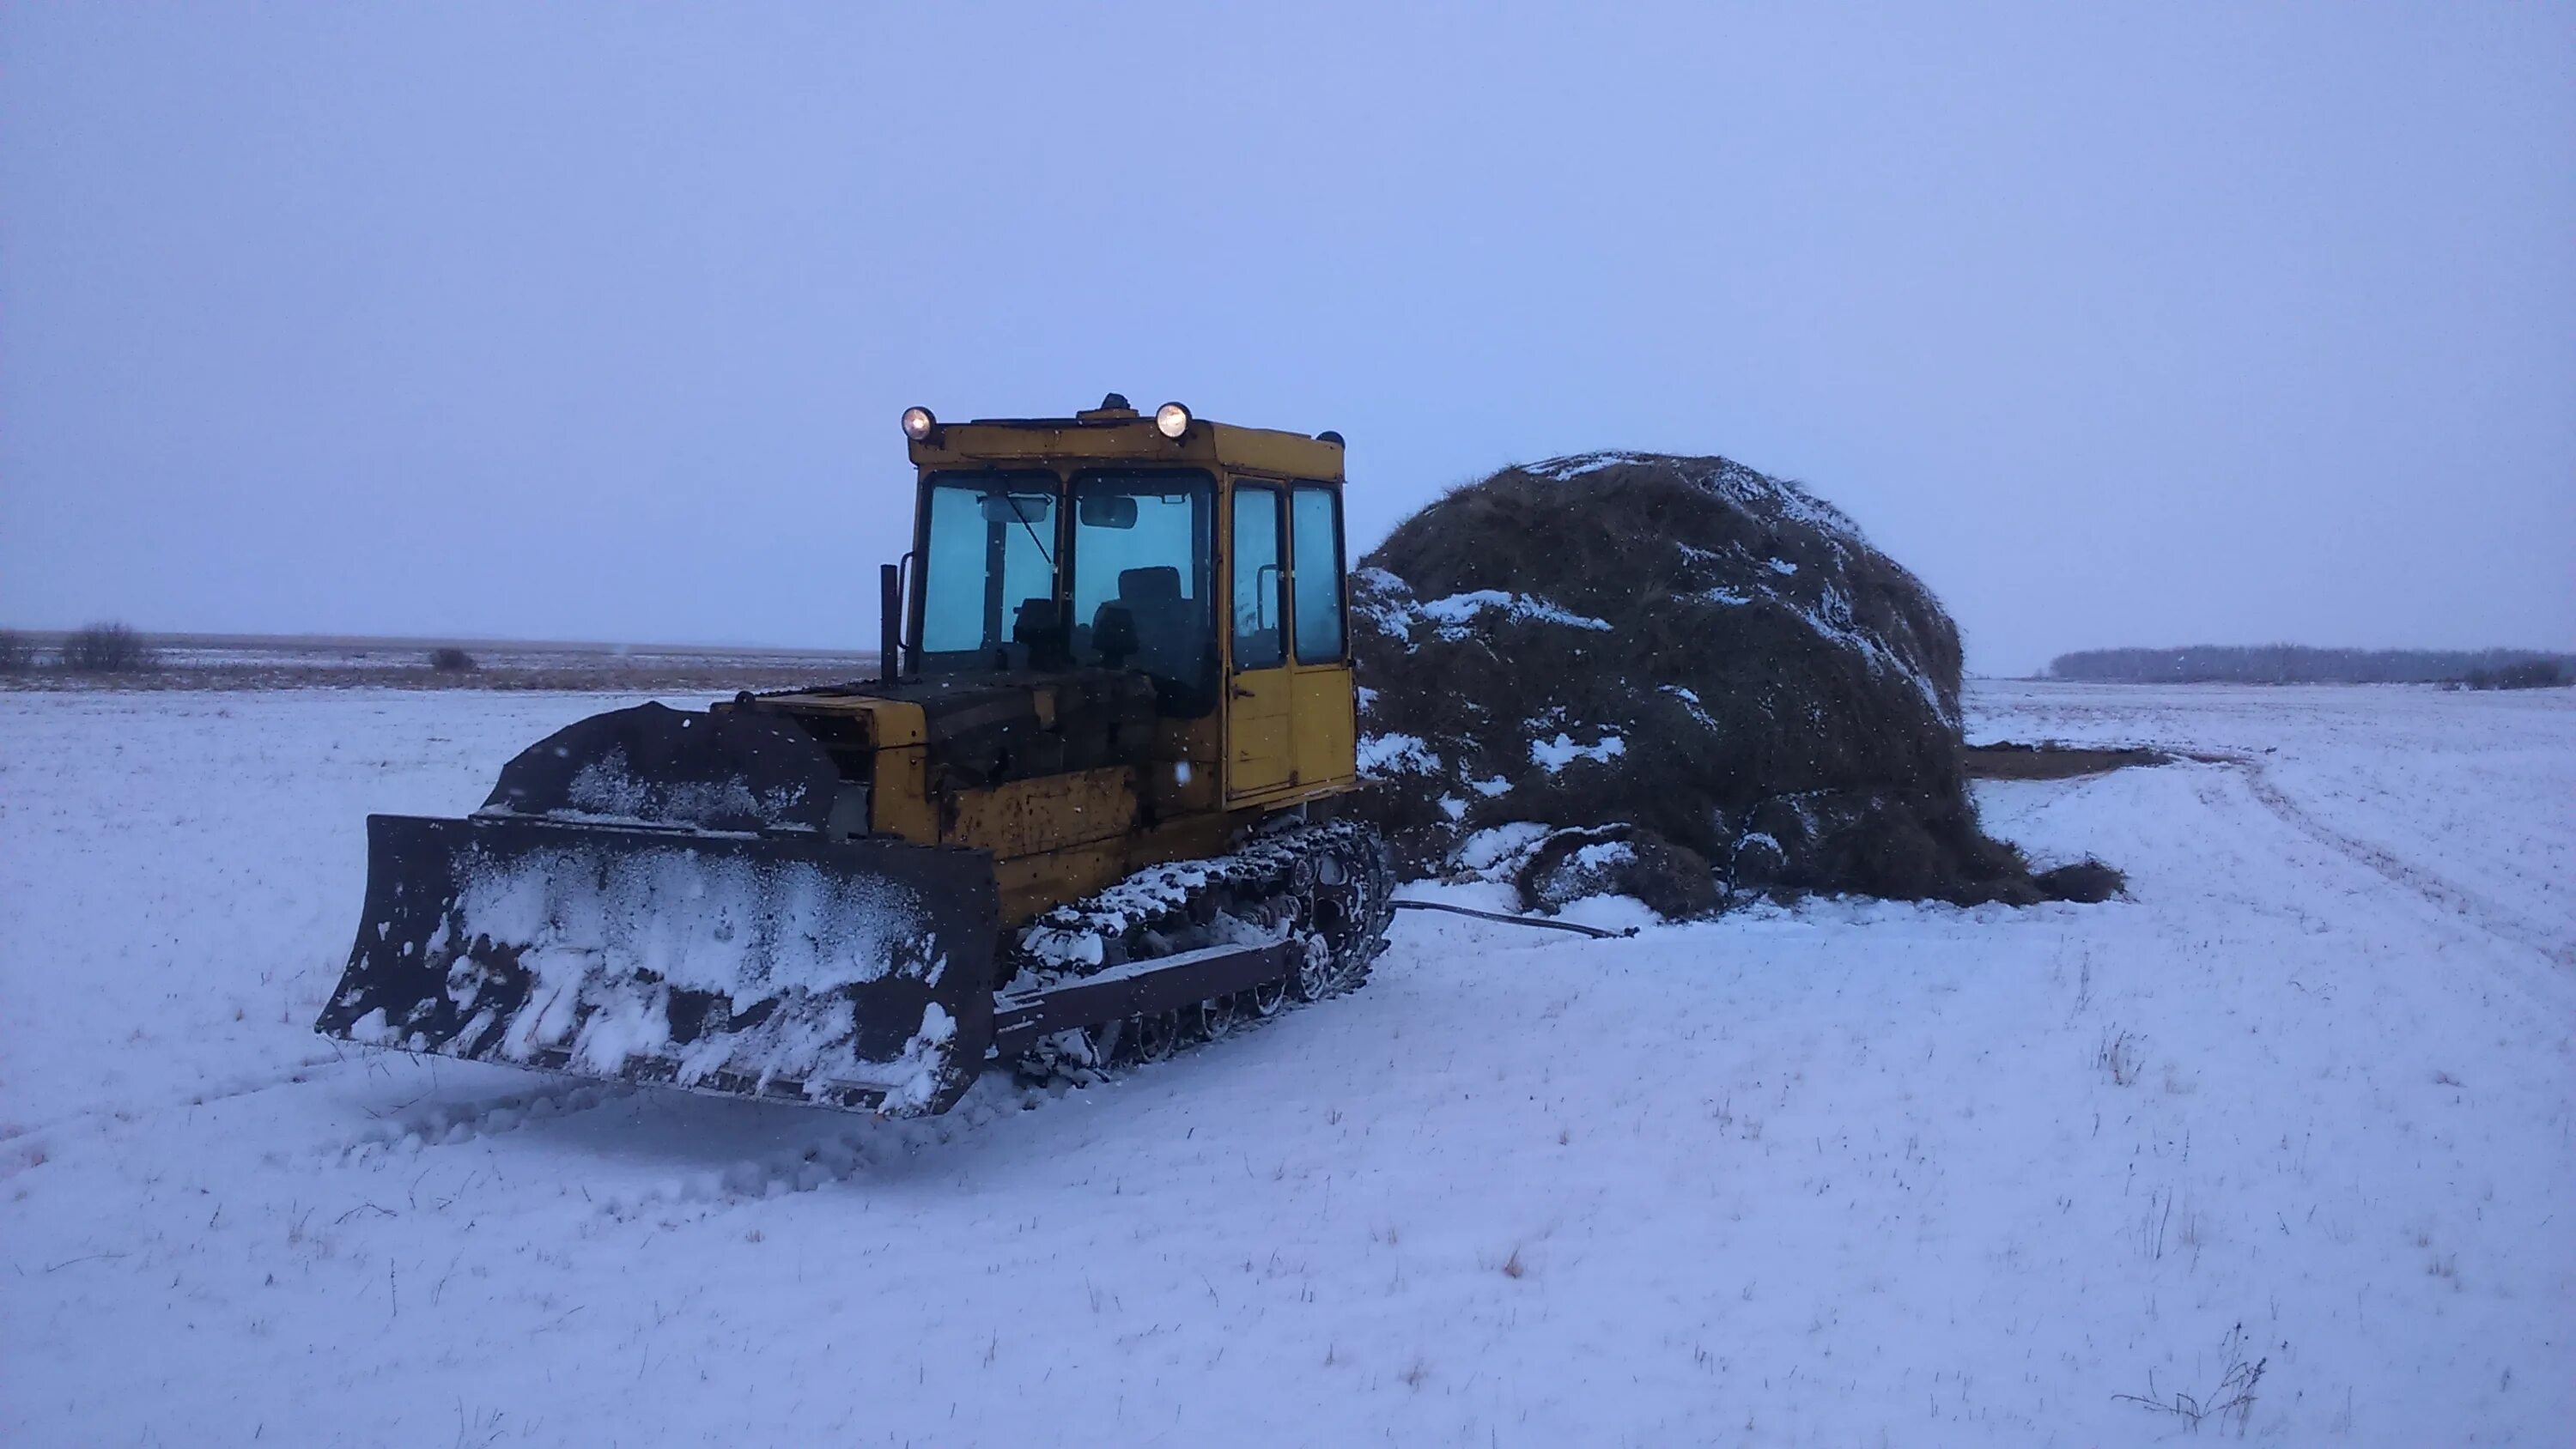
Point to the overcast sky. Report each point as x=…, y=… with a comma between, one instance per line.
x=2120, y=325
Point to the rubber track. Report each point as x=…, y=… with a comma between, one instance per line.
x=1157, y=911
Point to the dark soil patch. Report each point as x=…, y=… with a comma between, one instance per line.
x=2048, y=760
x=2087, y=880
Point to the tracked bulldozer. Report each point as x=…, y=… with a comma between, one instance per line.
x=1090, y=811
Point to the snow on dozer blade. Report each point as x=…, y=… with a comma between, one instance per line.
x=845, y=973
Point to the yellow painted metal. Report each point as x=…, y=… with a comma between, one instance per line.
x=1257, y=699
x=893, y=745
x=1066, y=442
x=1051, y=812
x=1258, y=759
x=899, y=790
x=1281, y=737
x=1032, y=885
x=1323, y=726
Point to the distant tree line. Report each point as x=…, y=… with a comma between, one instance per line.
x=116, y=648
x=2299, y=664
x=91, y=649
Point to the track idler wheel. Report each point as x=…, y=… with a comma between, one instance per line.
x=1316, y=975
x=1218, y=1017
x=1267, y=998
x=1156, y=1036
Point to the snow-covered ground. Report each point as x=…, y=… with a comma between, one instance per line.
x=1849, y=1174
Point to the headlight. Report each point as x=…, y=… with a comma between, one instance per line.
x=917, y=423
x=1171, y=420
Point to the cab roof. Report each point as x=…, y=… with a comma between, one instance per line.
x=1119, y=434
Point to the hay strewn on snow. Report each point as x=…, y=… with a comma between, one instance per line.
x=1668, y=677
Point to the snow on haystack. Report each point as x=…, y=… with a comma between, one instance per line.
x=1697, y=678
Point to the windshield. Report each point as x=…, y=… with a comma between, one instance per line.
x=1137, y=587
x=988, y=570
x=1140, y=581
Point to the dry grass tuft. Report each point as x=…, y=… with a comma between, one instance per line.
x=2232, y=1400
x=2122, y=1056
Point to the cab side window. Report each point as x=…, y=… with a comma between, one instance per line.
x=1260, y=615
x=1316, y=520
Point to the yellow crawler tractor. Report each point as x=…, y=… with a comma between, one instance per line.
x=1086, y=815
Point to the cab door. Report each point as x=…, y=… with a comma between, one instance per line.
x=1323, y=718
x=1260, y=694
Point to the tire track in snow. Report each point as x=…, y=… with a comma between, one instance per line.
x=2552, y=986
x=816, y=1165
x=290, y=1075
x=868, y=1144
x=451, y=1123
x=835, y=1157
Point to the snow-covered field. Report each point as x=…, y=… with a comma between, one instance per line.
x=1849, y=1174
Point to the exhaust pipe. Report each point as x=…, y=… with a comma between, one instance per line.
x=889, y=622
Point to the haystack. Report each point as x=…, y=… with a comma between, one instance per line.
x=1668, y=677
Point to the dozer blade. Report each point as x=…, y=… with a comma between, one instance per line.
x=849, y=973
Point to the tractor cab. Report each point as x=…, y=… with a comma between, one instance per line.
x=1206, y=557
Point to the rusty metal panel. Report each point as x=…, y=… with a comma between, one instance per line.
x=1186, y=764
x=1051, y=812
x=1032, y=885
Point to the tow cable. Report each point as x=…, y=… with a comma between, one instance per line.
x=1595, y=932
